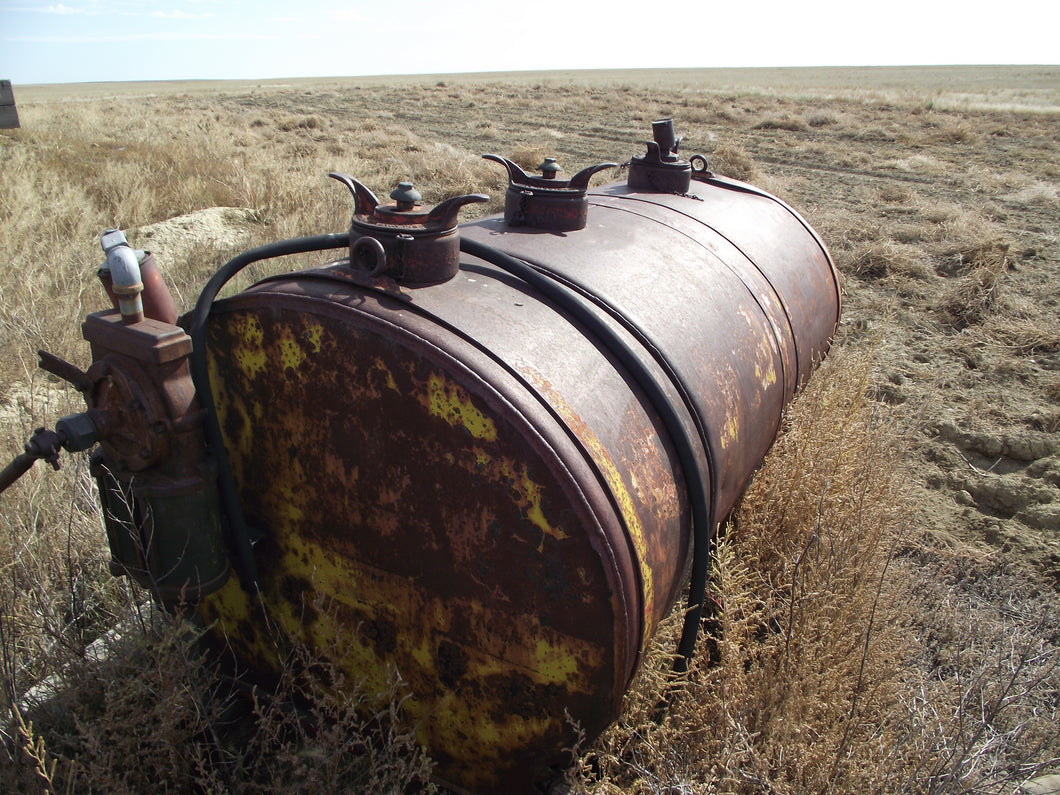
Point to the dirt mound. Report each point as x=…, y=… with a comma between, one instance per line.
x=176, y=239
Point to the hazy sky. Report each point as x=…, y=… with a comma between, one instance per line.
x=90, y=40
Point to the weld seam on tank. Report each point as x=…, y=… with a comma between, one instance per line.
x=670, y=371
x=654, y=350
x=776, y=332
x=701, y=504
x=740, y=187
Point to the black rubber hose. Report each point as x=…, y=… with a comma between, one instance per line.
x=16, y=469
x=239, y=535
x=696, y=482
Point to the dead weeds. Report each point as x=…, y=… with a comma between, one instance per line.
x=879, y=627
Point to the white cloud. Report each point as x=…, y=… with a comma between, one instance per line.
x=63, y=9
x=161, y=36
x=118, y=8
x=177, y=14
x=348, y=15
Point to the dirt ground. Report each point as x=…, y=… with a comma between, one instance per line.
x=962, y=320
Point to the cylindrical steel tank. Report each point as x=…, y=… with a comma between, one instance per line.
x=467, y=486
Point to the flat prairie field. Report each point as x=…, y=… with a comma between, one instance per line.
x=921, y=466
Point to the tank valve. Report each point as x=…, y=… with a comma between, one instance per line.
x=406, y=197
x=409, y=243
x=546, y=202
x=549, y=168
x=661, y=170
x=123, y=268
x=73, y=433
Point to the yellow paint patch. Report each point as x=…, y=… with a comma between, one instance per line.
x=423, y=653
x=250, y=356
x=291, y=354
x=381, y=366
x=311, y=562
x=629, y=513
x=765, y=379
x=554, y=665
x=313, y=334
x=730, y=432
x=526, y=493
x=531, y=504
x=453, y=404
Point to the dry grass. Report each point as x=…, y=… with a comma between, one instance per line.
x=812, y=636
x=145, y=695
x=787, y=123
x=975, y=297
x=848, y=657
x=886, y=258
x=851, y=651
x=732, y=161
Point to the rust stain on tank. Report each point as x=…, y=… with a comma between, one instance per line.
x=437, y=539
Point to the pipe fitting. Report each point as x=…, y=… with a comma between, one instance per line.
x=123, y=267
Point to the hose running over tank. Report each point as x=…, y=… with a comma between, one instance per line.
x=701, y=502
x=239, y=535
x=699, y=497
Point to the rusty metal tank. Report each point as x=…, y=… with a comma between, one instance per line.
x=473, y=483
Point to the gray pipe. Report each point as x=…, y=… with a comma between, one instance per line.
x=124, y=268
